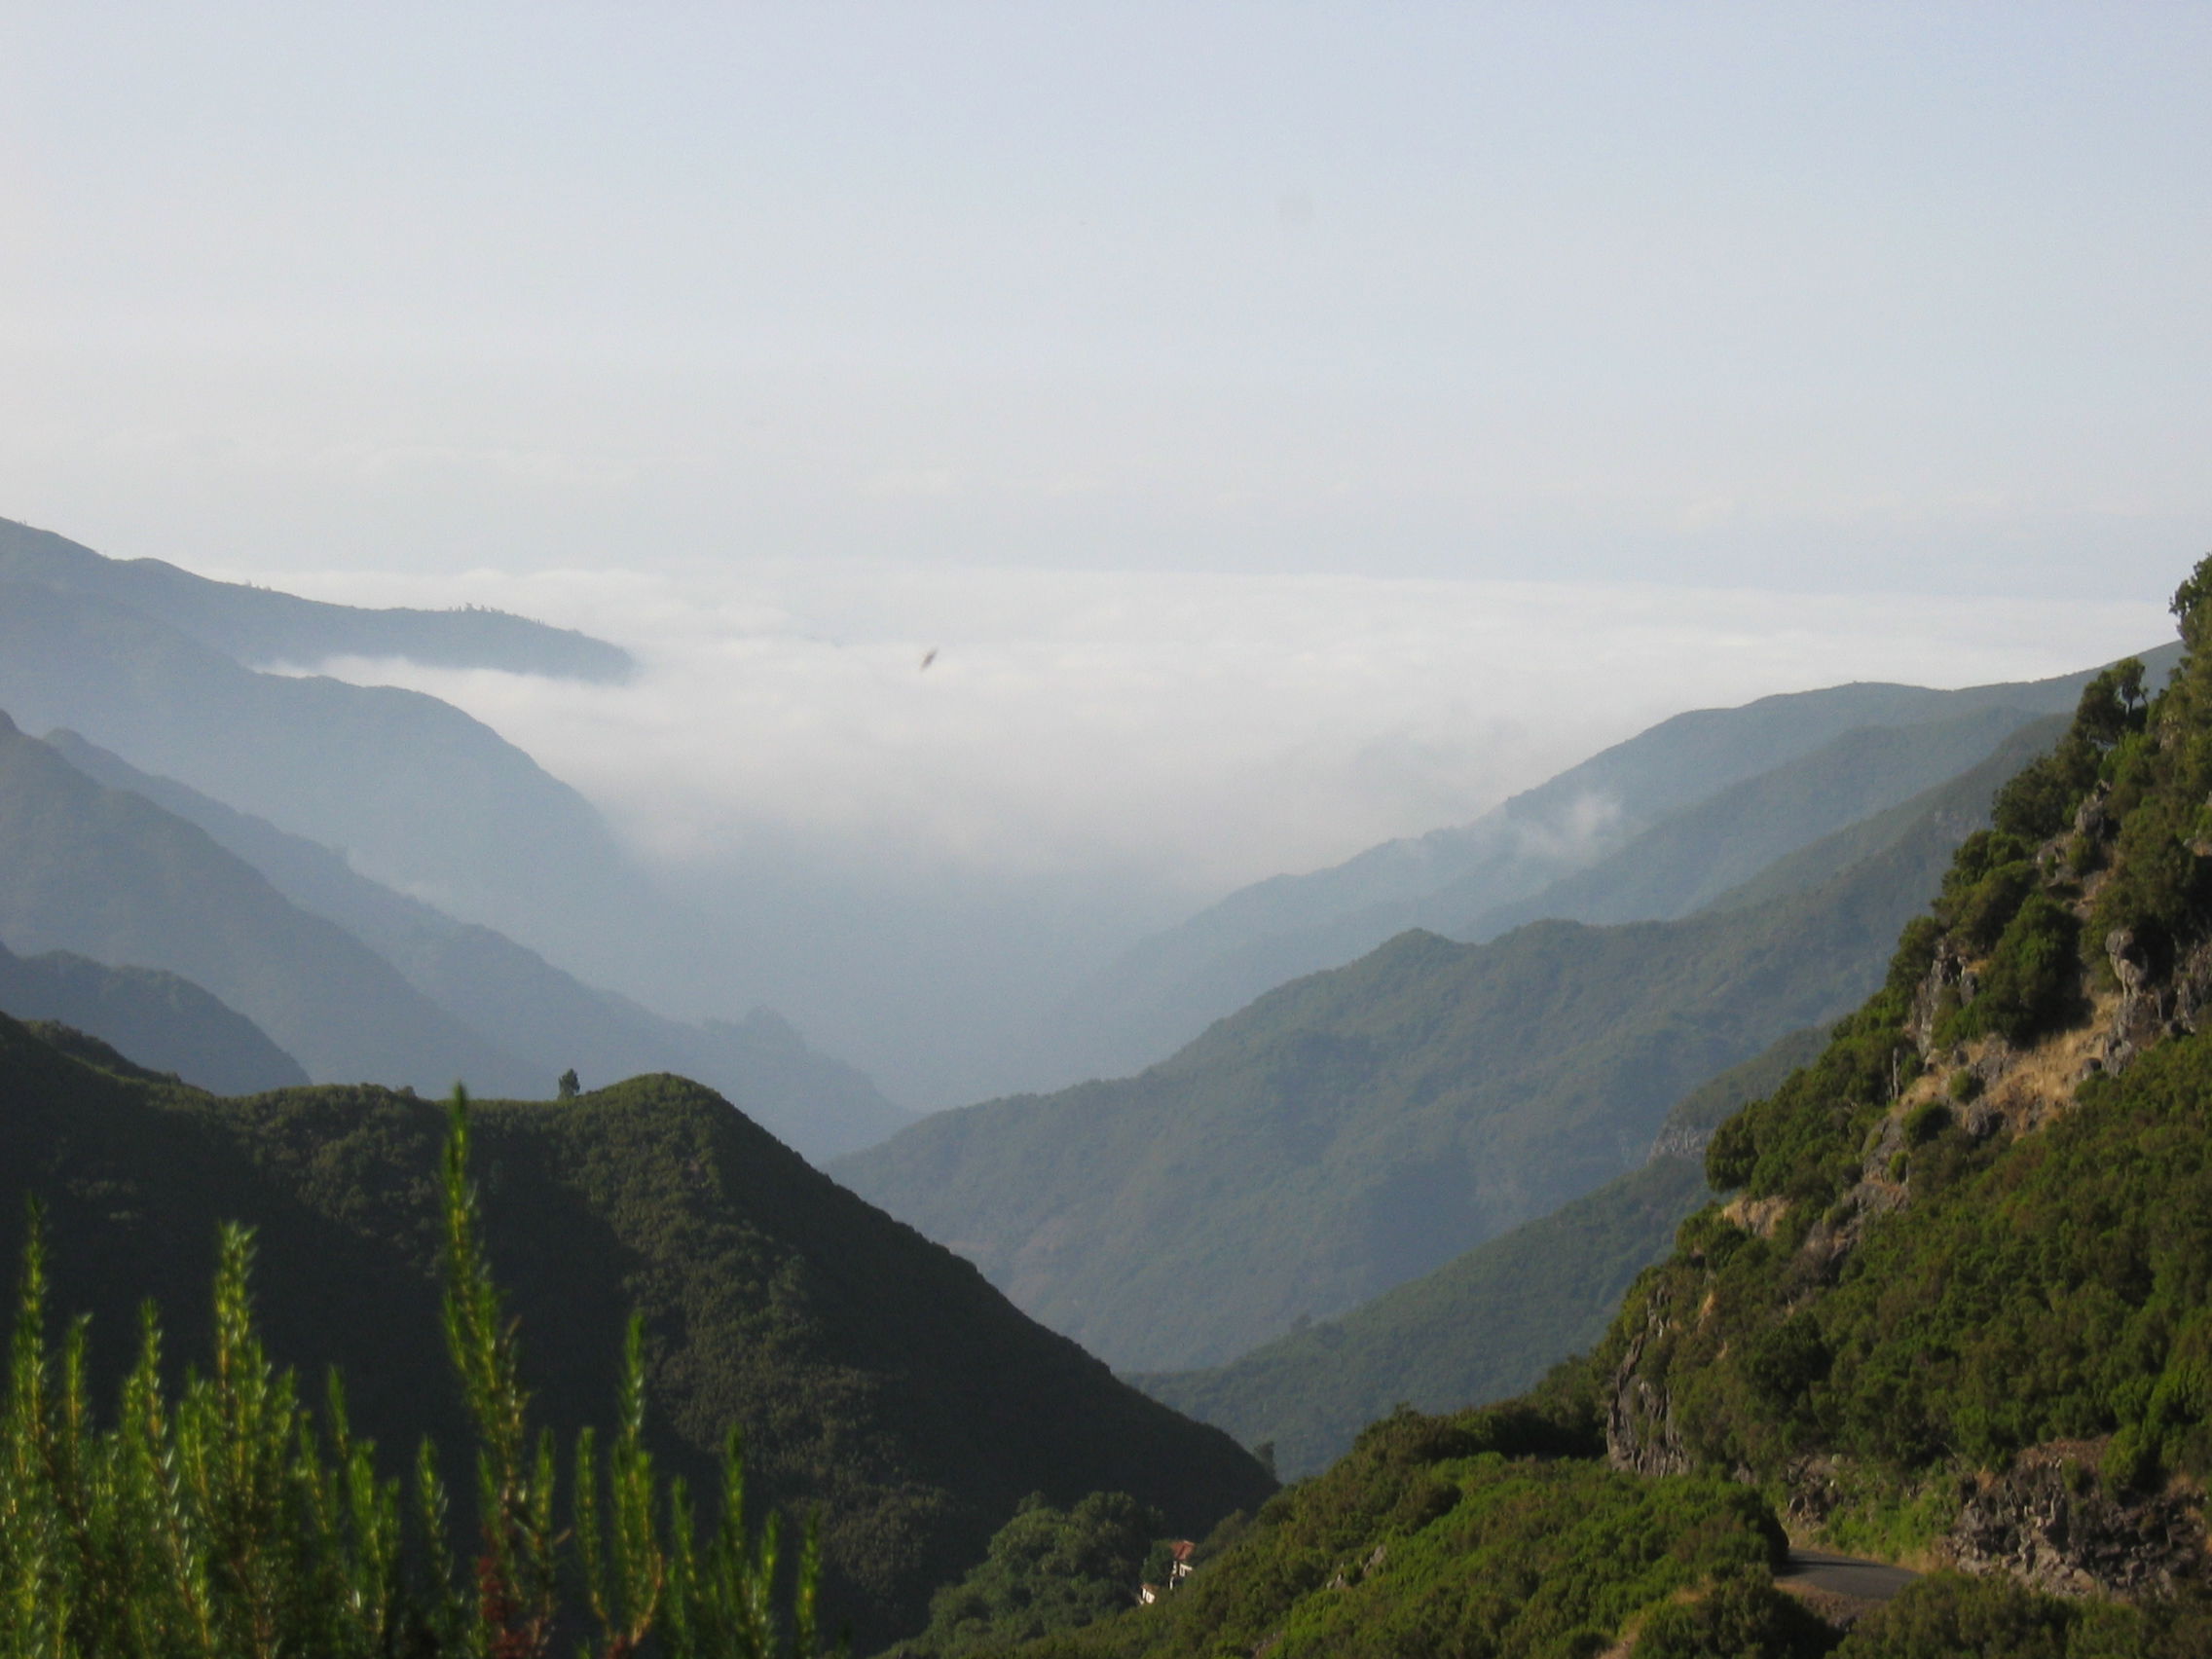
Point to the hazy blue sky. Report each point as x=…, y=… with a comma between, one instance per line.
x=1901, y=297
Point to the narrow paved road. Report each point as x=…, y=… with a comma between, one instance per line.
x=1844, y=1575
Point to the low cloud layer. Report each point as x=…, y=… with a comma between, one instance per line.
x=1189, y=731
x=920, y=864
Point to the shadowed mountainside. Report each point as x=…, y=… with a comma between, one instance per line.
x=109, y=875
x=513, y=996
x=875, y=1374
x=417, y=793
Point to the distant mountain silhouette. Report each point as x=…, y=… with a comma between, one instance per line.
x=110, y=876
x=258, y=625
x=1487, y=1324
x=414, y=792
x=513, y=996
x=159, y=1020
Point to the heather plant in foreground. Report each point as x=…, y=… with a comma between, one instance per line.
x=225, y=1518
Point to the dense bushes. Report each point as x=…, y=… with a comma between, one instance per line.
x=1048, y=1570
x=1743, y=1616
x=2055, y=1286
x=1470, y=1533
x=2032, y=981
x=223, y=1519
x=1951, y=1616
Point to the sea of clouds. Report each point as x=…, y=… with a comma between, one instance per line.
x=1196, y=730
x=919, y=862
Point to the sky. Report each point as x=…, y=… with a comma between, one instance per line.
x=1802, y=297
x=1293, y=425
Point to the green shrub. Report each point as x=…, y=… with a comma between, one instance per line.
x=1739, y=1617
x=220, y=1517
x=1786, y=1360
x=1925, y=1122
x=2032, y=981
x=2130, y=1462
x=1951, y=1616
x=1048, y=1570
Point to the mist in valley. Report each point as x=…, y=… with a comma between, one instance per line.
x=925, y=866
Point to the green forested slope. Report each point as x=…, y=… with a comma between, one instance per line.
x=1486, y=1324
x=1691, y=857
x=1166, y=989
x=1358, y=1129
x=1974, y=1243
x=1960, y=1308
x=110, y=876
x=159, y=1020
x=520, y=1001
x=873, y=1373
x=259, y=625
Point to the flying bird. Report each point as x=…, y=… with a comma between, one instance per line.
x=928, y=656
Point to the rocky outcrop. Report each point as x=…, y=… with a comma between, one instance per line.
x=1678, y=1140
x=1641, y=1435
x=2051, y=1523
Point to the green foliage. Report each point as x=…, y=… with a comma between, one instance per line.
x=858, y=1358
x=1048, y=1570
x=1992, y=874
x=1481, y=1532
x=2032, y=981
x=1479, y=1328
x=1358, y=1128
x=2053, y=1286
x=2041, y=801
x=1947, y=1615
x=1743, y=1616
x=2057, y=1286
x=218, y=1520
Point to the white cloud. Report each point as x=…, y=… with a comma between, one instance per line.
x=1189, y=731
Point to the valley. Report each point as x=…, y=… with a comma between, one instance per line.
x=1587, y=1207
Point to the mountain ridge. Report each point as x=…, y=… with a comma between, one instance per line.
x=109, y=875
x=515, y=998
x=874, y=1373
x=1165, y=989
x=159, y=1020
x=1403, y=1109
x=261, y=626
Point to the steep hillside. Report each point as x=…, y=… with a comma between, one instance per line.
x=1486, y=1324
x=1691, y=857
x=1959, y=1310
x=873, y=1373
x=159, y=1020
x=1963, y=1298
x=257, y=625
x=110, y=876
x=1168, y=989
x=516, y=998
x=417, y=793
x=1358, y=1129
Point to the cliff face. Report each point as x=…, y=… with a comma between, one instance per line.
x=1960, y=1303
